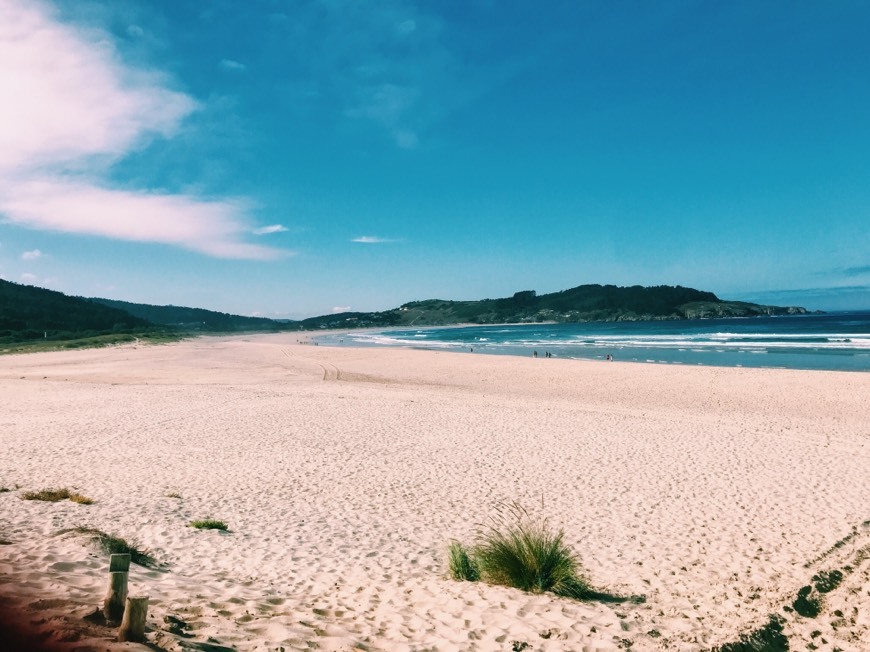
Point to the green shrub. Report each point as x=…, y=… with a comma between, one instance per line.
x=209, y=524
x=526, y=553
x=462, y=567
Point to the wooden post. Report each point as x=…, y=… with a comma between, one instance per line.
x=113, y=605
x=133, y=625
x=119, y=562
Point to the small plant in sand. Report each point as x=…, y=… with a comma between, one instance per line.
x=518, y=550
x=209, y=524
x=3, y=490
x=56, y=495
x=113, y=545
x=524, y=552
x=462, y=567
x=173, y=494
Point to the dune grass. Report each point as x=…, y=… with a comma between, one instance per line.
x=462, y=566
x=209, y=524
x=173, y=494
x=519, y=550
x=56, y=495
x=113, y=545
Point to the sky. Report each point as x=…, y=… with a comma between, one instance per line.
x=291, y=158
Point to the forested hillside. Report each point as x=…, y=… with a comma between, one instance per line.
x=28, y=313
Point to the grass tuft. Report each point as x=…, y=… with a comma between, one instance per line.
x=3, y=490
x=47, y=495
x=173, y=494
x=462, y=567
x=769, y=638
x=518, y=550
x=56, y=495
x=113, y=545
x=526, y=553
x=209, y=524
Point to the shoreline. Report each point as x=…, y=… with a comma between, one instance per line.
x=343, y=473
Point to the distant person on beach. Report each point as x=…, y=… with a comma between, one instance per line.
x=534, y=354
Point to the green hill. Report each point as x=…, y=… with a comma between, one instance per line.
x=580, y=304
x=29, y=313
x=195, y=319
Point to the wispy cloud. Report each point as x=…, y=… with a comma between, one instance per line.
x=266, y=230
x=31, y=255
x=373, y=239
x=70, y=110
x=857, y=271
x=337, y=309
x=232, y=66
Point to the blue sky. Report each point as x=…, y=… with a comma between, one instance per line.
x=294, y=158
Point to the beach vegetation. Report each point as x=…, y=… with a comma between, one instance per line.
x=462, y=566
x=173, y=494
x=209, y=524
x=769, y=638
x=3, y=490
x=113, y=545
x=522, y=551
x=56, y=495
x=808, y=602
x=519, y=550
x=827, y=581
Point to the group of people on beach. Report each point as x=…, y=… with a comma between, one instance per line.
x=547, y=354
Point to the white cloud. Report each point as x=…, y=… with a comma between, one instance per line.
x=341, y=309
x=70, y=109
x=66, y=96
x=372, y=239
x=28, y=279
x=31, y=255
x=406, y=27
x=72, y=206
x=265, y=230
x=232, y=66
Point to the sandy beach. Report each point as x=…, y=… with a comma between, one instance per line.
x=343, y=474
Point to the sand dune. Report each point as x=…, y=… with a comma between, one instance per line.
x=343, y=474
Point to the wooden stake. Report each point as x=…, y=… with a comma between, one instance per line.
x=113, y=605
x=119, y=562
x=133, y=625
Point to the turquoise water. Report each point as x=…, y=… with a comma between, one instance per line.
x=836, y=341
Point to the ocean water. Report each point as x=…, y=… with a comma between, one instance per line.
x=835, y=341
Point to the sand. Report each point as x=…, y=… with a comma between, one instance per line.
x=343, y=474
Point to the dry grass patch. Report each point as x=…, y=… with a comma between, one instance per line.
x=47, y=495
x=113, y=545
x=56, y=495
x=173, y=494
x=209, y=524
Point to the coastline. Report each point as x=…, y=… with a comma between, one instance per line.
x=343, y=474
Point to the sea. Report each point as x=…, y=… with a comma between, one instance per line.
x=833, y=341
